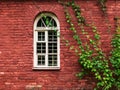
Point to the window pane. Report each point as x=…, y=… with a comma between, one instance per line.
x=52, y=60
x=52, y=47
x=41, y=36
x=41, y=48
x=52, y=35
x=41, y=60
x=40, y=23
x=46, y=21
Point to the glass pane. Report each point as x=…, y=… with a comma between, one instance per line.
x=40, y=23
x=52, y=47
x=46, y=21
x=52, y=35
x=52, y=60
x=41, y=60
x=41, y=36
x=41, y=48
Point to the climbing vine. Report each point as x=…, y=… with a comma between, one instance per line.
x=91, y=57
x=115, y=59
x=102, y=4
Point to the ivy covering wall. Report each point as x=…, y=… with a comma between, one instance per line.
x=105, y=69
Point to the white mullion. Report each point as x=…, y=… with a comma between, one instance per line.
x=35, y=49
x=43, y=22
x=58, y=50
x=45, y=28
x=46, y=56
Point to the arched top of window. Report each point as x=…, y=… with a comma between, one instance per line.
x=46, y=42
x=46, y=20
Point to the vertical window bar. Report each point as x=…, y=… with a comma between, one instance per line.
x=46, y=40
x=57, y=62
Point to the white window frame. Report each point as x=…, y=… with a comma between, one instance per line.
x=36, y=30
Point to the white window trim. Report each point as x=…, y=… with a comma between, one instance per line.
x=36, y=29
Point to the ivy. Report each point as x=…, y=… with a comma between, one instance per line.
x=115, y=59
x=102, y=4
x=91, y=56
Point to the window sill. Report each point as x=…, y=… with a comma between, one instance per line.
x=46, y=68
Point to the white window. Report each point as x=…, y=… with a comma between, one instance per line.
x=46, y=42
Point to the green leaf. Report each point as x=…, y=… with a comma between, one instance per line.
x=97, y=36
x=76, y=37
x=92, y=41
x=68, y=21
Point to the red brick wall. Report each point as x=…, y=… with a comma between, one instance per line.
x=16, y=44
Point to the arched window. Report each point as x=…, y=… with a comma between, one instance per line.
x=46, y=42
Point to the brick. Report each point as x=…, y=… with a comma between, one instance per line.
x=33, y=87
x=16, y=44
